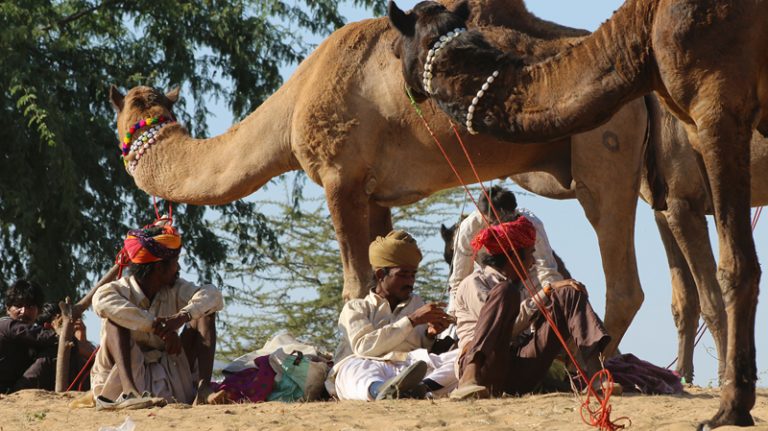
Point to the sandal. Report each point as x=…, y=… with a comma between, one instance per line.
x=126, y=402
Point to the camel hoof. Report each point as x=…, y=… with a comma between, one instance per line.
x=723, y=418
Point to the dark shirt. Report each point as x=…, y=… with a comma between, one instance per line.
x=20, y=345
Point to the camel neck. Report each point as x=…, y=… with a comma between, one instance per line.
x=564, y=95
x=559, y=96
x=220, y=169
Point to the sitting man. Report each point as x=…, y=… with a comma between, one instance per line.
x=27, y=350
x=545, y=265
x=50, y=318
x=506, y=344
x=142, y=354
x=385, y=336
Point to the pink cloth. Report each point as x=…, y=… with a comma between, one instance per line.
x=252, y=384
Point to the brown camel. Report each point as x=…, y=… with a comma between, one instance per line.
x=344, y=118
x=683, y=229
x=684, y=51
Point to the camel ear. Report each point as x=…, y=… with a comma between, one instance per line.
x=444, y=232
x=116, y=98
x=173, y=95
x=462, y=10
x=405, y=23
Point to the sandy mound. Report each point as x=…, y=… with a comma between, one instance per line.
x=39, y=410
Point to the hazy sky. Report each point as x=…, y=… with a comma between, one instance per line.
x=652, y=335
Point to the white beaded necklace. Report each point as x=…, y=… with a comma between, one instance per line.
x=444, y=40
x=427, y=75
x=476, y=99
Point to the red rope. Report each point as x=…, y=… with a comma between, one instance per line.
x=599, y=416
x=86, y=366
x=168, y=218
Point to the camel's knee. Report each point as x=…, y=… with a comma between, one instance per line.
x=625, y=303
x=739, y=286
x=686, y=317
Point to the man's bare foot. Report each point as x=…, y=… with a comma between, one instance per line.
x=203, y=392
x=205, y=395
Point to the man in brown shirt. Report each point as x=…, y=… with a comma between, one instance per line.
x=506, y=344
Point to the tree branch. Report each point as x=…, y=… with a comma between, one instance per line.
x=77, y=15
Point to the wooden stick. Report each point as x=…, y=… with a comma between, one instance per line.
x=70, y=313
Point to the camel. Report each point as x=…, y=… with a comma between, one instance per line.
x=683, y=227
x=344, y=118
x=683, y=51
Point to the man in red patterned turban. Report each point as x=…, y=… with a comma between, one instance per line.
x=143, y=357
x=495, y=311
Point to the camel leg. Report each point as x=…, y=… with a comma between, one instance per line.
x=380, y=221
x=350, y=212
x=689, y=228
x=724, y=146
x=685, y=300
x=607, y=162
x=615, y=235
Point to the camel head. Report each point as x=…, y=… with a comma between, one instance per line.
x=139, y=111
x=420, y=28
x=442, y=60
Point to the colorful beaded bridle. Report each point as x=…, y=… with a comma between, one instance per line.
x=142, y=143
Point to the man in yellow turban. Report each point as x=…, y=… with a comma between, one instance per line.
x=142, y=356
x=386, y=336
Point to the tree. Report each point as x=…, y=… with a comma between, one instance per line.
x=65, y=198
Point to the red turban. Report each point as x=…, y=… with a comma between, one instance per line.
x=141, y=247
x=496, y=239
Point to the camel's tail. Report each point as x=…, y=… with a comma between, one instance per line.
x=652, y=141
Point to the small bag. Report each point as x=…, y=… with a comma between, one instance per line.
x=299, y=377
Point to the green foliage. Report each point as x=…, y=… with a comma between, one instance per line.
x=65, y=198
x=297, y=287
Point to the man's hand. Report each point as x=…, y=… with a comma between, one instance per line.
x=431, y=313
x=435, y=328
x=561, y=284
x=172, y=343
x=79, y=330
x=165, y=325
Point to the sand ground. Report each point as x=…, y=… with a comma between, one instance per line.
x=39, y=410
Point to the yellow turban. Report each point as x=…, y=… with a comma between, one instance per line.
x=398, y=248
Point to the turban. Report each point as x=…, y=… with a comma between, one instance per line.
x=141, y=247
x=398, y=248
x=520, y=232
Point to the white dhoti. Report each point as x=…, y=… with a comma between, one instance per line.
x=163, y=375
x=355, y=375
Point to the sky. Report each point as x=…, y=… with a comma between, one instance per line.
x=652, y=335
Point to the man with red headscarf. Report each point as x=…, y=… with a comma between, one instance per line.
x=506, y=345
x=142, y=355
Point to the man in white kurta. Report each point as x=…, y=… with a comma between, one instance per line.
x=390, y=331
x=146, y=309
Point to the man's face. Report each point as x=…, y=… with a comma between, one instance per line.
x=26, y=313
x=528, y=263
x=168, y=272
x=397, y=283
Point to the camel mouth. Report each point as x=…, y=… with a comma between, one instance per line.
x=415, y=94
